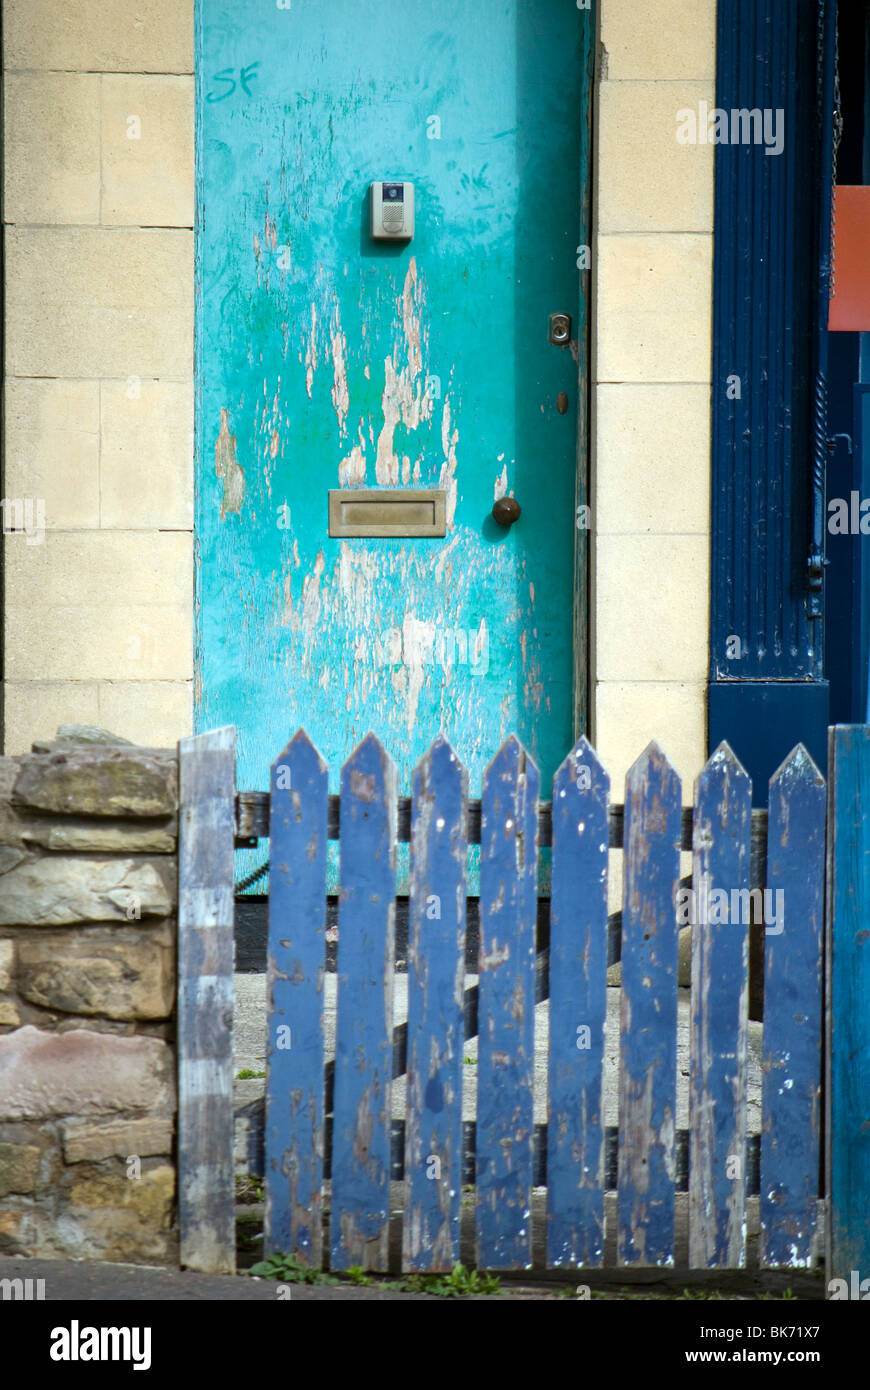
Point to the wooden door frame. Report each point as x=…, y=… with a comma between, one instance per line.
x=582, y=654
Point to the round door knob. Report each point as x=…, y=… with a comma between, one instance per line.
x=506, y=511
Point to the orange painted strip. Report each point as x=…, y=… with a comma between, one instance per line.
x=850, y=305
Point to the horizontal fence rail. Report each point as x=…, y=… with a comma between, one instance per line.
x=253, y=822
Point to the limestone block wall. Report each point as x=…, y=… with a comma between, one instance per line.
x=99, y=195
x=87, y=994
x=652, y=343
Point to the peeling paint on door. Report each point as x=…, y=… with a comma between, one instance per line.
x=228, y=470
x=323, y=356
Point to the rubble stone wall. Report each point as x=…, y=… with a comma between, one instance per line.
x=88, y=838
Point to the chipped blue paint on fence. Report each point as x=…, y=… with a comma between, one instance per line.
x=506, y=1044
x=719, y=1028
x=295, y=1043
x=371, y=1050
x=578, y=1011
x=436, y=982
x=359, y=1221
x=791, y=1096
x=848, y=1027
x=648, y=1034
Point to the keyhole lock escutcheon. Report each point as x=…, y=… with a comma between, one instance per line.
x=560, y=329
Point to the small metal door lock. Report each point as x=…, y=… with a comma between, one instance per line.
x=560, y=329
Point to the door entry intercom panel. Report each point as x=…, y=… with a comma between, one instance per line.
x=392, y=210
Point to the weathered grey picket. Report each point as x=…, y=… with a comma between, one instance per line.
x=206, y=1209
x=502, y=1153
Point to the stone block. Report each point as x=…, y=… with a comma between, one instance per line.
x=12, y=822
x=112, y=36
x=658, y=40
x=10, y=858
x=153, y=421
x=10, y=1016
x=652, y=450
x=96, y=642
x=32, y=706
x=148, y=151
x=84, y=1073
x=18, y=1230
x=53, y=892
x=153, y=713
x=116, y=1218
x=78, y=735
x=75, y=569
x=629, y=714
x=53, y=449
x=52, y=147
x=84, y=1142
x=655, y=307
x=19, y=1168
x=7, y=963
x=652, y=609
x=647, y=180
x=105, y=782
x=84, y=836
x=99, y=302
x=128, y=975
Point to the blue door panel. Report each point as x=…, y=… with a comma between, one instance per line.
x=327, y=360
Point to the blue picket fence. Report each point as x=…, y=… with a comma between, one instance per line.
x=361, y=1163
x=332, y=1144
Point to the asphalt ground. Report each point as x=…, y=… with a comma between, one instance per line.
x=70, y=1281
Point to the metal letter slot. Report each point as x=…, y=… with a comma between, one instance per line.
x=387, y=512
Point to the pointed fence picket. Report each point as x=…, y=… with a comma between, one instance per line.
x=720, y=1026
x=436, y=981
x=360, y=1215
x=295, y=1126
x=506, y=1005
x=648, y=1032
x=501, y=1152
x=578, y=1011
x=791, y=1096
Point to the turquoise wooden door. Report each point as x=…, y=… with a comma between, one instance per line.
x=327, y=360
